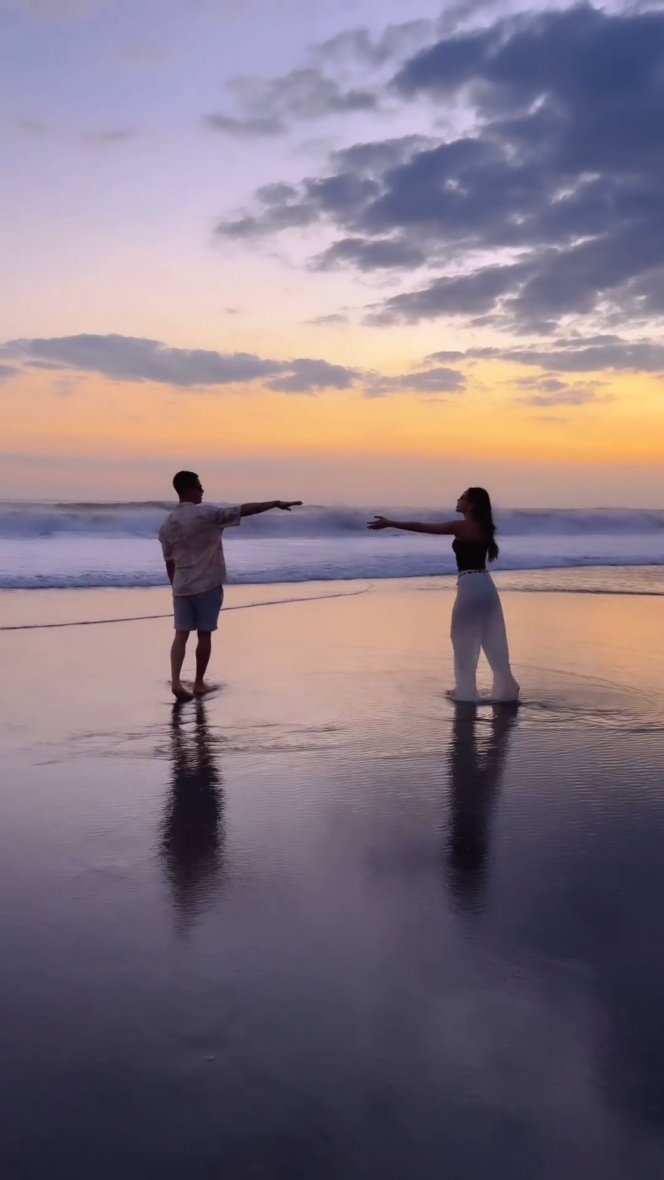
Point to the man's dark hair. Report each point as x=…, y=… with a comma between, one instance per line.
x=185, y=481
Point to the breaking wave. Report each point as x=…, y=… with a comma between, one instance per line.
x=47, y=546
x=41, y=519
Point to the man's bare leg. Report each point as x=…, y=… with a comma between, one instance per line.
x=177, y=659
x=203, y=653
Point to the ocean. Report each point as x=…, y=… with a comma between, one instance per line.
x=78, y=545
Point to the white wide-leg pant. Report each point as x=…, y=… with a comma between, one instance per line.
x=478, y=625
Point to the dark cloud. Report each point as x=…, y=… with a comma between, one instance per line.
x=383, y=253
x=127, y=358
x=465, y=295
x=561, y=178
x=344, y=194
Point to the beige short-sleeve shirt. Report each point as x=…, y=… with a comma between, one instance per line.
x=191, y=538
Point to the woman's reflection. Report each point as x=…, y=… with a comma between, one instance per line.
x=476, y=764
x=192, y=843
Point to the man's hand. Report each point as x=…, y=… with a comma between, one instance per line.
x=379, y=522
x=267, y=506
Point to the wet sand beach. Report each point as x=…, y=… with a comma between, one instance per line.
x=325, y=924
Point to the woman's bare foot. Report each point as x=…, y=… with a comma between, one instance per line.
x=508, y=694
x=181, y=693
x=203, y=688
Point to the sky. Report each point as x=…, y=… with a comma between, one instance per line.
x=361, y=253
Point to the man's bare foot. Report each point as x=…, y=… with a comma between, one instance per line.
x=202, y=689
x=181, y=693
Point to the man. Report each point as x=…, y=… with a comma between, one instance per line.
x=191, y=542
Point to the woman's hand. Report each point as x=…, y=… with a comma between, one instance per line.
x=286, y=505
x=379, y=522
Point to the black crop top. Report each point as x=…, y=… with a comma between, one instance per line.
x=470, y=555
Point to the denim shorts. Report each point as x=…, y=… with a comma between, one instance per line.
x=198, y=612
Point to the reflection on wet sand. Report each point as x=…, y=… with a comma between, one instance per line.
x=192, y=839
x=476, y=769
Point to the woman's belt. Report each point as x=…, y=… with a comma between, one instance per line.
x=462, y=573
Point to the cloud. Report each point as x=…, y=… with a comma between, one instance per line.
x=127, y=358
x=547, y=207
x=385, y=254
x=465, y=295
x=33, y=127
x=137, y=360
x=544, y=384
x=362, y=46
x=301, y=94
x=438, y=380
x=340, y=196
x=112, y=138
x=269, y=106
x=576, y=354
x=463, y=12
x=335, y=317
x=68, y=385
x=255, y=128
x=619, y=355
x=567, y=395
x=308, y=376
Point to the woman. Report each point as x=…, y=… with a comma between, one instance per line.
x=477, y=617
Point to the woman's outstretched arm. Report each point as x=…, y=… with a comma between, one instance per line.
x=446, y=528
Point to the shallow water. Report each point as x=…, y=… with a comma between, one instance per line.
x=324, y=924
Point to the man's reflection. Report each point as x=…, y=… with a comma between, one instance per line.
x=476, y=764
x=192, y=842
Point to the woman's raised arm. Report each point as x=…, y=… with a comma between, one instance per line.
x=447, y=528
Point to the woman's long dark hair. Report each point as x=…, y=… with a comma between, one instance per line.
x=481, y=503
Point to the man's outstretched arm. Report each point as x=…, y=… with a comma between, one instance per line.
x=267, y=505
